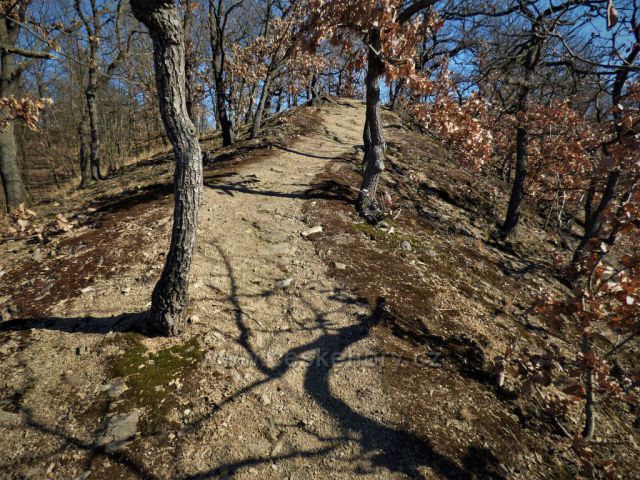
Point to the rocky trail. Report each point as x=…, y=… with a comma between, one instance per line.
x=274, y=382
x=316, y=346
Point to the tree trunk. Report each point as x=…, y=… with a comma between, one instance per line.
x=84, y=133
x=593, y=218
x=257, y=118
x=395, y=93
x=518, y=188
x=228, y=136
x=367, y=205
x=508, y=228
x=589, y=406
x=189, y=66
x=170, y=297
x=217, y=23
x=92, y=110
x=314, y=96
x=249, y=115
x=14, y=189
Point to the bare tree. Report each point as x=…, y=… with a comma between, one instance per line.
x=373, y=136
x=219, y=14
x=170, y=296
x=89, y=125
x=13, y=15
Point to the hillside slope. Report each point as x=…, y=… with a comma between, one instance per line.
x=348, y=353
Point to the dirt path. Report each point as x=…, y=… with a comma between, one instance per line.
x=275, y=378
x=292, y=406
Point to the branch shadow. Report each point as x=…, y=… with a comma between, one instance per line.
x=391, y=448
x=130, y=198
x=394, y=449
x=304, y=154
x=128, y=322
x=325, y=190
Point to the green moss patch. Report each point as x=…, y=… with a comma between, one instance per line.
x=155, y=378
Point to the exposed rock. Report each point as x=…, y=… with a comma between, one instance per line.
x=119, y=431
x=339, y=266
x=116, y=387
x=286, y=283
x=406, y=246
x=311, y=231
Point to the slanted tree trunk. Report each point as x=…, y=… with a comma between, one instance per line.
x=374, y=144
x=593, y=218
x=170, y=296
x=518, y=188
x=264, y=95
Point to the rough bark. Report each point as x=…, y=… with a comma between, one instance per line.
x=170, y=296
x=367, y=204
x=13, y=184
x=228, y=135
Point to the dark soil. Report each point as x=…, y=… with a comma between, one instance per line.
x=453, y=302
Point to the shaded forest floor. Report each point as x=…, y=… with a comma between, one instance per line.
x=350, y=353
